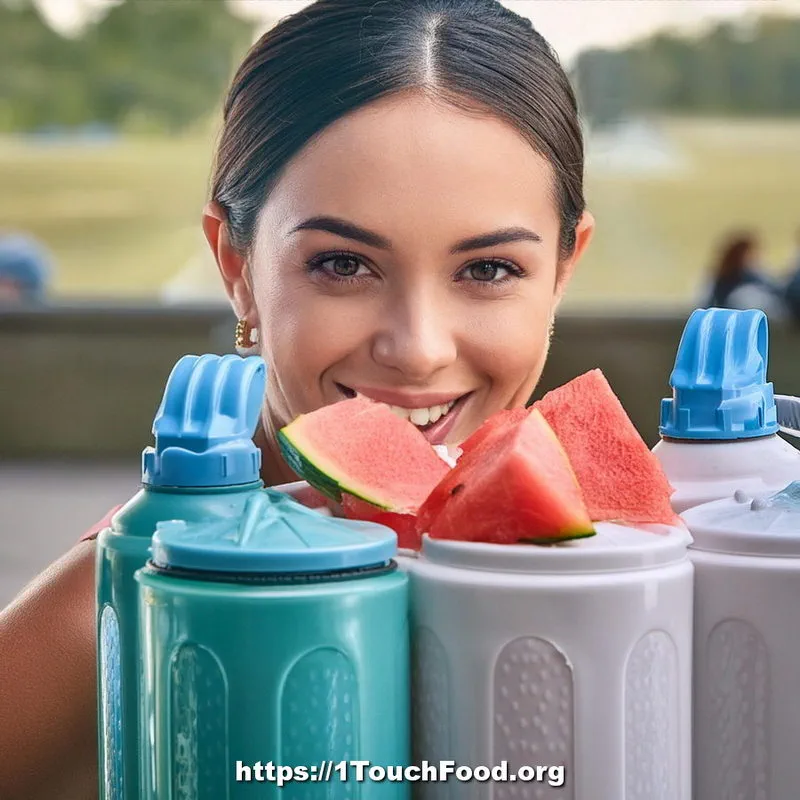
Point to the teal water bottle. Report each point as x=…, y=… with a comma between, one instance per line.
x=279, y=640
x=203, y=466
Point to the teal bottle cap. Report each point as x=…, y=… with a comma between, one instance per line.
x=719, y=382
x=205, y=425
x=274, y=535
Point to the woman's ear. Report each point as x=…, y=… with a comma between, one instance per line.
x=232, y=264
x=584, y=231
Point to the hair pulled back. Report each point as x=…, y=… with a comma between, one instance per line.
x=336, y=56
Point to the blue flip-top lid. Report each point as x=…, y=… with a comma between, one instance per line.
x=274, y=535
x=719, y=382
x=205, y=424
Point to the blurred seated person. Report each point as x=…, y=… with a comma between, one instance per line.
x=25, y=269
x=739, y=282
x=792, y=290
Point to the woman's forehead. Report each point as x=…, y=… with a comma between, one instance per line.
x=410, y=157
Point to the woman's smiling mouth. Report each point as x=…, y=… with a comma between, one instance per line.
x=433, y=414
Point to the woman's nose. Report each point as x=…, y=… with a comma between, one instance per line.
x=416, y=339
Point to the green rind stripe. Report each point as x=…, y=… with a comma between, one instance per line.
x=306, y=470
x=562, y=537
x=320, y=480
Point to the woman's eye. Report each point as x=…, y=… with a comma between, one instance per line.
x=490, y=271
x=341, y=266
x=484, y=271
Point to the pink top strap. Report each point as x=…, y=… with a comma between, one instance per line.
x=98, y=526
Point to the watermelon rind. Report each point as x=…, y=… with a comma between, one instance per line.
x=323, y=482
x=565, y=537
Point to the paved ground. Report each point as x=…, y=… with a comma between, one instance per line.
x=44, y=509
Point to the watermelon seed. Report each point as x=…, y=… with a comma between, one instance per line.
x=456, y=489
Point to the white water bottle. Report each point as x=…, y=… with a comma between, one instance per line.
x=719, y=429
x=746, y=554
x=574, y=659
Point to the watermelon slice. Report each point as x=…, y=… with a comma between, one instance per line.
x=514, y=486
x=499, y=419
x=404, y=525
x=621, y=479
x=362, y=448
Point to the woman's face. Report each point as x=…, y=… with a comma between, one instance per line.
x=408, y=254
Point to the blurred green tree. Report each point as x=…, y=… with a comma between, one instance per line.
x=162, y=64
x=752, y=68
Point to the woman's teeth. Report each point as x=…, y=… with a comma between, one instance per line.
x=423, y=416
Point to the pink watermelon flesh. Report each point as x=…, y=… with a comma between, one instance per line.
x=516, y=486
x=499, y=419
x=404, y=525
x=620, y=478
x=370, y=451
x=441, y=493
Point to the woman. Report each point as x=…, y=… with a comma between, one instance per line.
x=738, y=281
x=396, y=210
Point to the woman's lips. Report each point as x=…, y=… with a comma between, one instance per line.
x=438, y=431
x=408, y=400
x=435, y=432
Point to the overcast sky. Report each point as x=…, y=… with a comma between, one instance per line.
x=569, y=25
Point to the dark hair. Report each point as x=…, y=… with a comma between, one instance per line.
x=334, y=56
x=732, y=259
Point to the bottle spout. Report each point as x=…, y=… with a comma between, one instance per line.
x=205, y=424
x=719, y=381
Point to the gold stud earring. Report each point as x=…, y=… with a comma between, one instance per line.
x=246, y=338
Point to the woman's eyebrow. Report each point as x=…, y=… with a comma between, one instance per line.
x=502, y=236
x=348, y=230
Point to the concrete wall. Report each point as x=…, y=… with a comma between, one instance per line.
x=84, y=382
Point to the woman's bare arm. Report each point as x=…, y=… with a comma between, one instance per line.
x=48, y=679
x=48, y=719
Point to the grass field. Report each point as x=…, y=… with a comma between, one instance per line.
x=656, y=234
x=120, y=218
x=123, y=218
